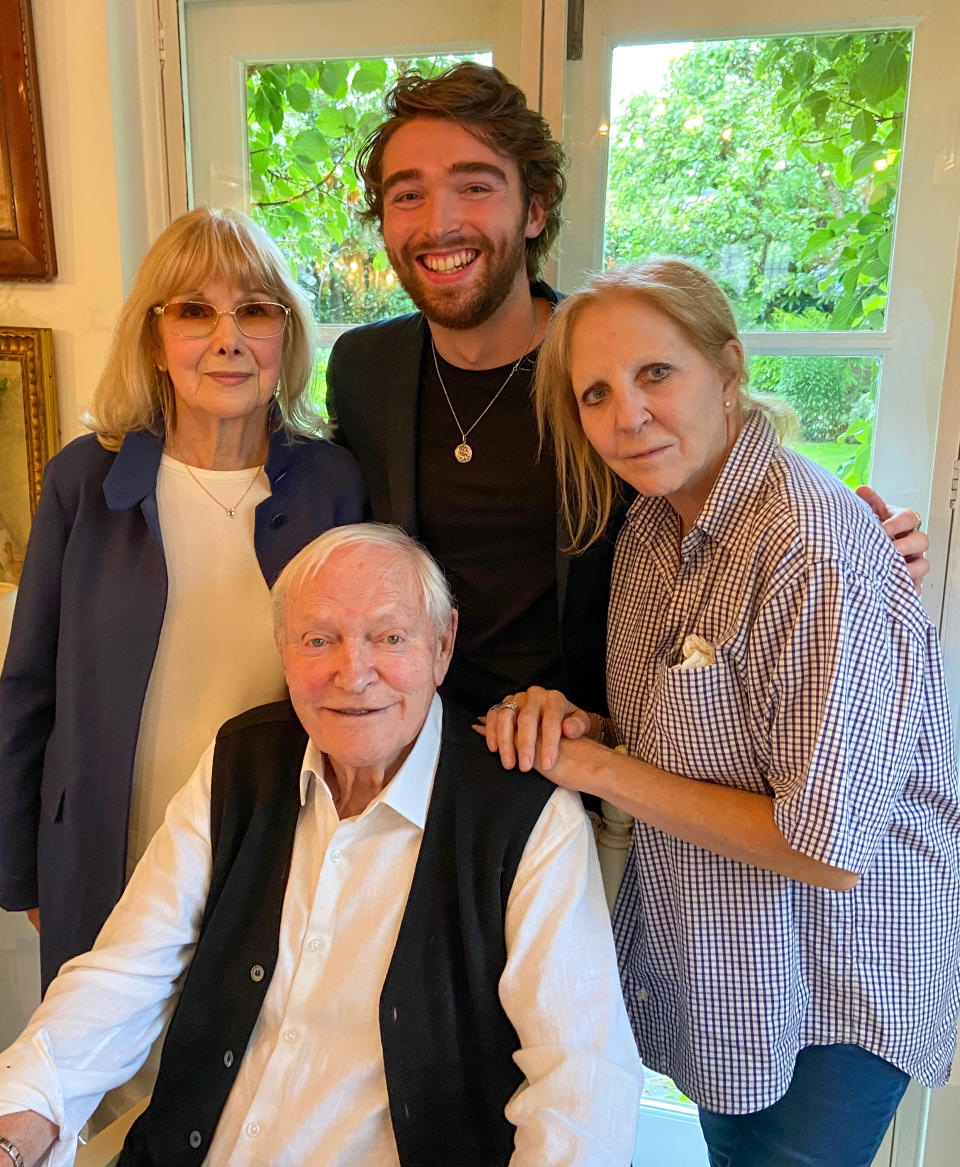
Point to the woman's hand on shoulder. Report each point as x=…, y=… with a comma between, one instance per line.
x=527, y=728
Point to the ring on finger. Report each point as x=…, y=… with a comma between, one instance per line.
x=918, y=523
x=507, y=705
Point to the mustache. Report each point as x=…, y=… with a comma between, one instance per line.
x=457, y=243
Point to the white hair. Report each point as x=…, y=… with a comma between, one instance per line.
x=437, y=598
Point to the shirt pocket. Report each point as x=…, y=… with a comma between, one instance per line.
x=703, y=725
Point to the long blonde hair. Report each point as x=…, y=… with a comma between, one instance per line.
x=693, y=301
x=197, y=247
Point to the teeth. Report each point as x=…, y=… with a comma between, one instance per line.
x=448, y=263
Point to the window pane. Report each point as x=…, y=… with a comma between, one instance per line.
x=774, y=163
x=835, y=402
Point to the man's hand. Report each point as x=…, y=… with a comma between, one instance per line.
x=31, y=1133
x=33, y=915
x=903, y=526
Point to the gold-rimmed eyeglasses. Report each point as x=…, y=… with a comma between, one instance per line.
x=193, y=319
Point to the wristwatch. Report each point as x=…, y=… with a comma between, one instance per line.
x=12, y=1150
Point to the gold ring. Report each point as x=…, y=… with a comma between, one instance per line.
x=507, y=705
x=918, y=524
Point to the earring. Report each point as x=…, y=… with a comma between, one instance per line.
x=161, y=368
x=726, y=405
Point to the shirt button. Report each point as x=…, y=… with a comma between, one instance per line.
x=642, y=994
x=196, y=1138
x=277, y=522
x=228, y=1058
x=289, y=1035
x=336, y=856
x=315, y=945
x=256, y=973
x=253, y=1129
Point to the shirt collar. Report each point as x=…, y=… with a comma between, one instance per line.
x=409, y=791
x=743, y=471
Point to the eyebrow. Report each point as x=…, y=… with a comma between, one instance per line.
x=412, y=174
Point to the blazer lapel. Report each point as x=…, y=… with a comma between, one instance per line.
x=402, y=391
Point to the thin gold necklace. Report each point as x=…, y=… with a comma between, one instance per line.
x=464, y=452
x=231, y=511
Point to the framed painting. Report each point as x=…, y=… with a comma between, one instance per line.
x=29, y=435
x=26, y=229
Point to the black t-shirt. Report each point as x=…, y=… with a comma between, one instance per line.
x=492, y=525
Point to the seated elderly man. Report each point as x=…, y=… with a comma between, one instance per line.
x=381, y=948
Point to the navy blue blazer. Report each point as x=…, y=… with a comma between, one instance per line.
x=373, y=389
x=85, y=632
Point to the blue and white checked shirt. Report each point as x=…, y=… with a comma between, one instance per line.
x=827, y=694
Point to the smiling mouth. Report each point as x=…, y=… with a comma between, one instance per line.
x=356, y=712
x=454, y=261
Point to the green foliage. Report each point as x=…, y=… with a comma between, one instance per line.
x=775, y=164
x=809, y=385
x=305, y=122
x=827, y=393
x=855, y=471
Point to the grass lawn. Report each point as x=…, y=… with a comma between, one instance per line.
x=828, y=454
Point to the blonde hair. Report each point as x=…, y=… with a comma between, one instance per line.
x=693, y=301
x=202, y=245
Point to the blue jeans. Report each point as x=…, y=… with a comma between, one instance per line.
x=834, y=1114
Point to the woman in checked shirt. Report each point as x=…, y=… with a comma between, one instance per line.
x=789, y=924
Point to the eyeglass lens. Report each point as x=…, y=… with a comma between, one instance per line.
x=195, y=318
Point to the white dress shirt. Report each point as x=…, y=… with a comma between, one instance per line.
x=311, y=1088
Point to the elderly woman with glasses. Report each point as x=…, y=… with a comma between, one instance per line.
x=142, y=619
x=788, y=925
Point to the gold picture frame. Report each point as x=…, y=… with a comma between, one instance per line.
x=26, y=228
x=29, y=435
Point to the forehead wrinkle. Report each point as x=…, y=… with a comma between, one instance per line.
x=396, y=574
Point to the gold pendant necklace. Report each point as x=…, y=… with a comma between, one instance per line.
x=464, y=451
x=229, y=511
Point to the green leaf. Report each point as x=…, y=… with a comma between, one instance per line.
x=864, y=157
x=311, y=144
x=370, y=77
x=818, y=104
x=380, y=261
x=884, y=70
x=884, y=246
x=298, y=98
x=333, y=76
x=864, y=126
x=846, y=311
x=817, y=242
x=331, y=121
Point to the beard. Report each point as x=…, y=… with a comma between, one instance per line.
x=463, y=308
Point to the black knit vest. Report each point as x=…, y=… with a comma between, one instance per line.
x=447, y=1043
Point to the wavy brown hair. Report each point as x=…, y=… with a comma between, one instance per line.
x=481, y=100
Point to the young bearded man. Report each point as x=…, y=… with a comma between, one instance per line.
x=465, y=182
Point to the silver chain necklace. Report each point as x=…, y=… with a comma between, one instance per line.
x=229, y=511
x=464, y=452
